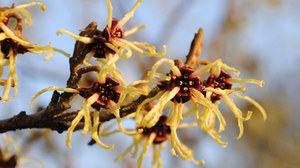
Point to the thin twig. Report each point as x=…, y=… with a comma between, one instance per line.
x=195, y=49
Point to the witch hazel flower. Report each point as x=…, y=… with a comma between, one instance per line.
x=157, y=137
x=179, y=87
x=109, y=68
x=12, y=156
x=112, y=40
x=218, y=86
x=13, y=43
x=111, y=94
x=98, y=96
x=105, y=94
x=184, y=84
x=12, y=39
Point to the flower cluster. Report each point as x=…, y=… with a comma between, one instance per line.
x=13, y=43
x=184, y=84
x=181, y=87
x=109, y=91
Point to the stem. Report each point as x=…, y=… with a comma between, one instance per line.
x=195, y=49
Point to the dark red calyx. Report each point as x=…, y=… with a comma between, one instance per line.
x=218, y=82
x=161, y=129
x=185, y=82
x=107, y=92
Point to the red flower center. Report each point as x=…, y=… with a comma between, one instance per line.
x=107, y=35
x=9, y=44
x=184, y=82
x=218, y=82
x=114, y=32
x=161, y=129
x=107, y=92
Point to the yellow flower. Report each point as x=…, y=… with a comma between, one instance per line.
x=157, y=137
x=180, y=86
x=8, y=158
x=11, y=154
x=184, y=84
x=13, y=38
x=105, y=94
x=219, y=86
x=112, y=39
x=12, y=43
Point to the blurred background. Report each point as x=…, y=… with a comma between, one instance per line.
x=259, y=37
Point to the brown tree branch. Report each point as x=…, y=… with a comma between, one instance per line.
x=61, y=122
x=23, y=121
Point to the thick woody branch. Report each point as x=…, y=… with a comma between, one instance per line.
x=62, y=122
x=24, y=121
